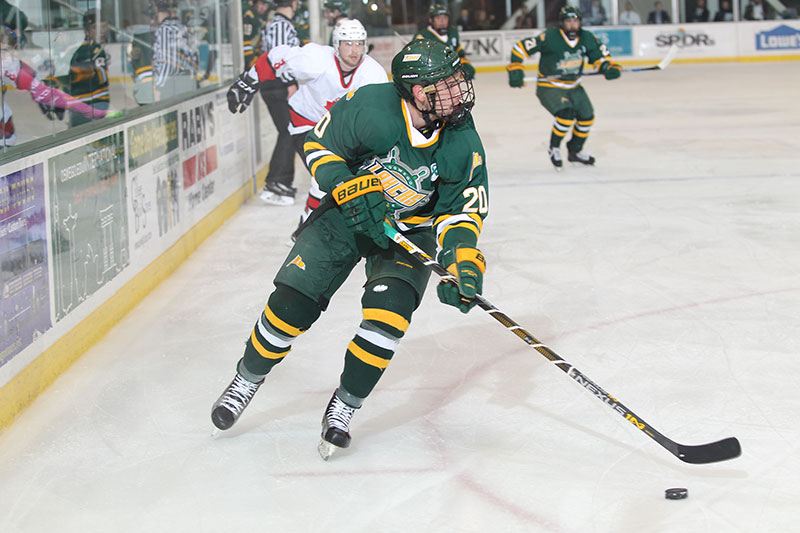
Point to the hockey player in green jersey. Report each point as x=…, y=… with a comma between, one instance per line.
x=439, y=29
x=563, y=51
x=87, y=80
x=406, y=151
x=253, y=20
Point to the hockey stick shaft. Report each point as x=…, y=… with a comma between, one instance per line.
x=671, y=53
x=706, y=453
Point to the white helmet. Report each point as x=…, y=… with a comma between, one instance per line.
x=348, y=30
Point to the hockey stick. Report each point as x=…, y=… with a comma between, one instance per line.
x=664, y=63
x=700, y=454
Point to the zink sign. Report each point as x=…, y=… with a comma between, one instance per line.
x=781, y=38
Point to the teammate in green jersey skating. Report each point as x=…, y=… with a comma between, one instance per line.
x=562, y=53
x=407, y=151
x=439, y=29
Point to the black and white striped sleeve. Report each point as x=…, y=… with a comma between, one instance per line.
x=280, y=30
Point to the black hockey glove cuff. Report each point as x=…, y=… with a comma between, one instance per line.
x=241, y=93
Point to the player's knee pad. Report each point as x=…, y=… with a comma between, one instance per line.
x=289, y=311
x=568, y=113
x=387, y=305
x=286, y=315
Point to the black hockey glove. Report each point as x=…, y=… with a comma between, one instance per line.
x=467, y=265
x=363, y=206
x=51, y=112
x=516, y=75
x=241, y=93
x=611, y=70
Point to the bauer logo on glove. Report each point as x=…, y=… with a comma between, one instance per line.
x=356, y=187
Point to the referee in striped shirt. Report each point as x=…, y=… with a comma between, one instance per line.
x=175, y=54
x=278, y=188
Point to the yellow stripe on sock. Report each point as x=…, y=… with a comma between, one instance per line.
x=263, y=351
x=387, y=317
x=368, y=358
x=280, y=324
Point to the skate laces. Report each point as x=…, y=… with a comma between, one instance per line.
x=339, y=414
x=239, y=394
x=555, y=152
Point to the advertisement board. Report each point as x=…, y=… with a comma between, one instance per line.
x=154, y=207
x=692, y=40
x=25, y=297
x=89, y=220
x=775, y=37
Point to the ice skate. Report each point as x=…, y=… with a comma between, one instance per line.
x=335, y=427
x=580, y=157
x=277, y=194
x=555, y=157
x=226, y=410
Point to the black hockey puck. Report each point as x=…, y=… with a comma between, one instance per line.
x=676, y=494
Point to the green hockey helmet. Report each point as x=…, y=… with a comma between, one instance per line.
x=425, y=62
x=341, y=5
x=438, y=9
x=569, y=12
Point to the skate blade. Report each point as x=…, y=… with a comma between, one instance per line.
x=326, y=449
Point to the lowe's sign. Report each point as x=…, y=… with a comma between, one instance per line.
x=781, y=38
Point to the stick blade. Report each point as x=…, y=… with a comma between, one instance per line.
x=671, y=53
x=713, y=452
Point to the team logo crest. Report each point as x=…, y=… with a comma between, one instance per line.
x=571, y=64
x=298, y=262
x=402, y=185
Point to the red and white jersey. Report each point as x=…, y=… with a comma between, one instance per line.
x=11, y=70
x=320, y=79
x=8, y=136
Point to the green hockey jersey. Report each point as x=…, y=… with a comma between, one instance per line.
x=451, y=39
x=561, y=59
x=438, y=181
x=88, y=74
x=251, y=36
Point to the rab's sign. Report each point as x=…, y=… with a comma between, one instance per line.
x=781, y=38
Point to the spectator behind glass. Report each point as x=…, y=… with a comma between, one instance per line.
x=629, y=16
x=595, y=15
x=464, y=21
x=15, y=19
x=658, y=15
x=725, y=13
x=699, y=13
x=758, y=10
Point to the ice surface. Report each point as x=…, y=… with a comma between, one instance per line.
x=669, y=274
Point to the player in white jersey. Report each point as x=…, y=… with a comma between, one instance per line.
x=324, y=74
x=16, y=73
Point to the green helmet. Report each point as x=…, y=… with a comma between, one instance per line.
x=569, y=12
x=341, y=5
x=438, y=9
x=425, y=62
